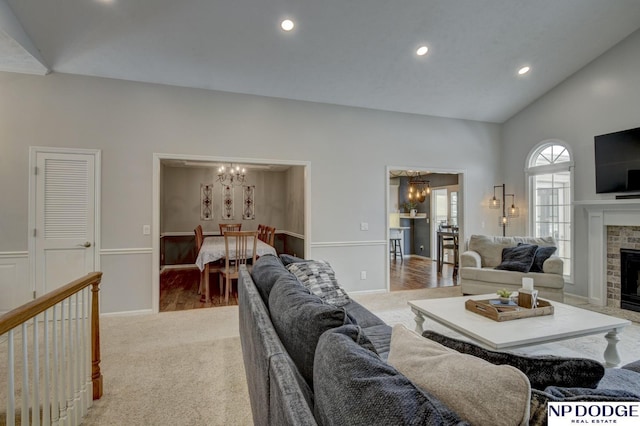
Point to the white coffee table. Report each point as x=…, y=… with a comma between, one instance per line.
x=566, y=322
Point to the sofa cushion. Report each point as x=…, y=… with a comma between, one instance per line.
x=355, y=387
x=519, y=258
x=287, y=259
x=265, y=272
x=300, y=318
x=542, y=371
x=364, y=317
x=461, y=381
x=542, y=254
x=319, y=278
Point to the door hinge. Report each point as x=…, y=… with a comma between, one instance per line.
x=34, y=232
x=35, y=170
x=34, y=294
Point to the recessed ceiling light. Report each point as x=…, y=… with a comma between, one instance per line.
x=422, y=50
x=287, y=25
x=523, y=70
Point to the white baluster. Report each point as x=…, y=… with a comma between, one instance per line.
x=11, y=392
x=71, y=414
x=46, y=396
x=35, y=406
x=83, y=355
x=63, y=368
x=25, y=377
x=77, y=364
x=55, y=397
x=88, y=360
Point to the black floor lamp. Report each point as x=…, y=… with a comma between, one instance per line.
x=496, y=203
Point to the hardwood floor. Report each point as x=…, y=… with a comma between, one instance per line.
x=179, y=291
x=179, y=287
x=417, y=272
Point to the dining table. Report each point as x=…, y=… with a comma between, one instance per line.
x=213, y=250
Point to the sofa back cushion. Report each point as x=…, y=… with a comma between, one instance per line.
x=265, y=273
x=300, y=318
x=490, y=247
x=353, y=386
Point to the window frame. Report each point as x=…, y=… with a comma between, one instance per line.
x=532, y=171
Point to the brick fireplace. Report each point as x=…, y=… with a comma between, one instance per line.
x=618, y=238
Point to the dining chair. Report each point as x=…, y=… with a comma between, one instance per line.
x=240, y=246
x=450, y=242
x=270, y=235
x=224, y=227
x=208, y=268
x=262, y=232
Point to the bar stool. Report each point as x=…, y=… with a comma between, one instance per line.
x=396, y=248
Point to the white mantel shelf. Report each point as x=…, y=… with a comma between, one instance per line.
x=600, y=214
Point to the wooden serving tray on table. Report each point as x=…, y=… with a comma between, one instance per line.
x=504, y=312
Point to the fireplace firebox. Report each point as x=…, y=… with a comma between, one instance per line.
x=630, y=279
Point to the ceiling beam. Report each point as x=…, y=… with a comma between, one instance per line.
x=17, y=51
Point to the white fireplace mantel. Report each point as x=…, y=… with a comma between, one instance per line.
x=600, y=214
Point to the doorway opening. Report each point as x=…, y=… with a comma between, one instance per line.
x=419, y=202
x=188, y=193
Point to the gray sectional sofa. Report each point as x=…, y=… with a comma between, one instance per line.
x=308, y=362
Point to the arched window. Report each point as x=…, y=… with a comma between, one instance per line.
x=550, y=180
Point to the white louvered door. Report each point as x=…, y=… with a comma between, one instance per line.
x=65, y=228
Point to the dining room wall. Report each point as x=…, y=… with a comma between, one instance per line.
x=181, y=201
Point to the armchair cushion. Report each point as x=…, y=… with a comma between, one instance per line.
x=542, y=371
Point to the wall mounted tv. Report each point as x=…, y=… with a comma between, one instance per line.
x=618, y=161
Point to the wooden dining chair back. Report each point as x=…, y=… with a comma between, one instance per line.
x=262, y=232
x=203, y=288
x=224, y=227
x=240, y=247
x=271, y=236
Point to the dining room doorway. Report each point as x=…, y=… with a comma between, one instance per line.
x=417, y=267
x=180, y=204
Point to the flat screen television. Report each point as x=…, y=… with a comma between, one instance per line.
x=618, y=161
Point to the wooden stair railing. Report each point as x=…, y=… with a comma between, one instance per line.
x=70, y=373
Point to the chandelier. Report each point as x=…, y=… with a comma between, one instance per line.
x=418, y=189
x=232, y=175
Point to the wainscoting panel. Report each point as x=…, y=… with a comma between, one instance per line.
x=126, y=280
x=15, y=289
x=350, y=258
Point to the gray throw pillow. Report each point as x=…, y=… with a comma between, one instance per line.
x=354, y=387
x=300, y=318
x=287, y=259
x=319, y=278
x=542, y=371
x=519, y=258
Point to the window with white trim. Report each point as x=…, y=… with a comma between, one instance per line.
x=550, y=194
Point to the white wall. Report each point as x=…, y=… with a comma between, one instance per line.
x=603, y=97
x=349, y=150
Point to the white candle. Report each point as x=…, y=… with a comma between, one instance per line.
x=527, y=283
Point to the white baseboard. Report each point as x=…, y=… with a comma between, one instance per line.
x=128, y=313
x=380, y=291
x=583, y=298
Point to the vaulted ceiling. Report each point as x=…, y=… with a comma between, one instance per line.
x=357, y=52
